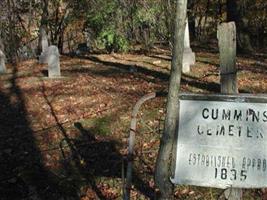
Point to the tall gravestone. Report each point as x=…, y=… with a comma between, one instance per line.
x=226, y=35
x=44, y=44
x=189, y=55
x=2, y=62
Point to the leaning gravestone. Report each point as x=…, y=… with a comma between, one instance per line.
x=44, y=44
x=51, y=56
x=189, y=55
x=2, y=62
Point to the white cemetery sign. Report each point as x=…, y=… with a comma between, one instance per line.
x=222, y=141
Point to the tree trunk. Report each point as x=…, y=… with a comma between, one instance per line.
x=237, y=12
x=231, y=6
x=61, y=42
x=43, y=25
x=191, y=18
x=163, y=165
x=13, y=43
x=205, y=18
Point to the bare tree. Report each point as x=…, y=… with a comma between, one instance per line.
x=164, y=164
x=237, y=12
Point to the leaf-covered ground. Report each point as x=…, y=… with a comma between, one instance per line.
x=66, y=138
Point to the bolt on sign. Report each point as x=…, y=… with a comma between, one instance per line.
x=222, y=141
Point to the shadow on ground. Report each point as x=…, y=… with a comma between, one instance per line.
x=145, y=74
x=84, y=159
x=22, y=173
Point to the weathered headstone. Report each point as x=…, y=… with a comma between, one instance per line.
x=189, y=55
x=53, y=62
x=2, y=62
x=226, y=35
x=227, y=44
x=44, y=44
x=51, y=56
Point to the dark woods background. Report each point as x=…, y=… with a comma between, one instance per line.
x=119, y=26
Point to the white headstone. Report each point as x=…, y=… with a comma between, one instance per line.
x=186, y=36
x=189, y=55
x=44, y=40
x=2, y=62
x=51, y=56
x=53, y=62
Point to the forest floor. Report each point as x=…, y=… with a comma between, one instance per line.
x=66, y=138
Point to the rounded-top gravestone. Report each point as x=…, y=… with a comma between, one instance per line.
x=53, y=62
x=51, y=57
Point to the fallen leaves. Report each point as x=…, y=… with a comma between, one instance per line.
x=101, y=96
